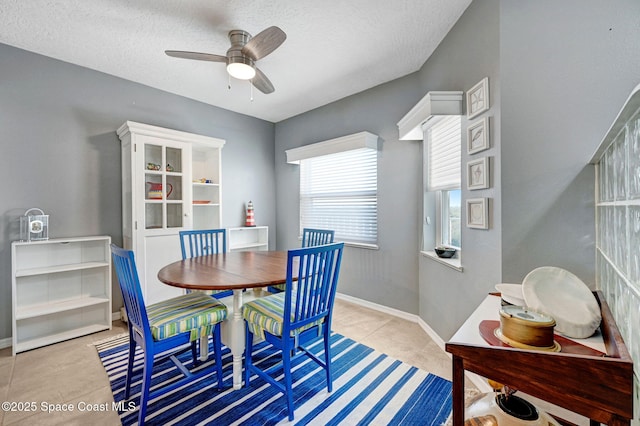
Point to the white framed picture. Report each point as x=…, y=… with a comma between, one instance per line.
x=478, y=213
x=478, y=98
x=478, y=136
x=478, y=174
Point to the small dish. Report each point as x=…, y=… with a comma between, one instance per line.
x=445, y=252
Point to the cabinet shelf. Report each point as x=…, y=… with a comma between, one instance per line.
x=213, y=185
x=32, y=311
x=247, y=246
x=59, y=268
x=28, y=344
x=248, y=238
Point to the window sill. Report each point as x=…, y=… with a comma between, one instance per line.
x=362, y=245
x=453, y=263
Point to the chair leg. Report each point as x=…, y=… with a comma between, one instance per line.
x=327, y=361
x=146, y=386
x=248, y=349
x=286, y=365
x=217, y=349
x=194, y=353
x=132, y=354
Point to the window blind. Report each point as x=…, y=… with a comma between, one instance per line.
x=340, y=192
x=444, y=154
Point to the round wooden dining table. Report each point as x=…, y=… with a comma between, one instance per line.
x=235, y=271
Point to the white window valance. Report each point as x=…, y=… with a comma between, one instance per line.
x=332, y=146
x=433, y=104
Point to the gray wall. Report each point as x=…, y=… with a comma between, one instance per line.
x=566, y=69
x=558, y=71
x=469, y=53
x=396, y=275
x=558, y=74
x=60, y=152
x=387, y=276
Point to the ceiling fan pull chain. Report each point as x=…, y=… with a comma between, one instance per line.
x=251, y=85
x=229, y=83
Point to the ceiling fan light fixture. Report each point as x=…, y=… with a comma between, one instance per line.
x=241, y=71
x=241, y=57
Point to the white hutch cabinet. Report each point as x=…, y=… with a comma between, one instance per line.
x=170, y=182
x=61, y=289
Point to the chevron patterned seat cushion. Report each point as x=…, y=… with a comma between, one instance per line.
x=267, y=314
x=195, y=313
x=280, y=287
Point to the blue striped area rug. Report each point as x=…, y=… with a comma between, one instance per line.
x=368, y=388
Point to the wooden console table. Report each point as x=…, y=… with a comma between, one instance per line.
x=600, y=388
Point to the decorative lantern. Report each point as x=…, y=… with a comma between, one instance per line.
x=34, y=227
x=250, y=221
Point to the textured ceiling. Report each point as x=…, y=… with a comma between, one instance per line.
x=334, y=48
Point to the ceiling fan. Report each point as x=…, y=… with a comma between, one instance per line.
x=243, y=54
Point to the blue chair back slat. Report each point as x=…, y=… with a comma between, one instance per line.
x=203, y=242
x=315, y=288
x=316, y=237
x=127, y=273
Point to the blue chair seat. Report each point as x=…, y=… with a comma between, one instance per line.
x=194, y=313
x=267, y=314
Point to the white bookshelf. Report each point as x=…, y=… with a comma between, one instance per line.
x=61, y=289
x=248, y=238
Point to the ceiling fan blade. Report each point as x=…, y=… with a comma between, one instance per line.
x=196, y=55
x=264, y=43
x=262, y=83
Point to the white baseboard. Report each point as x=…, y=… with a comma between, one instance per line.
x=6, y=343
x=377, y=307
x=397, y=313
x=478, y=381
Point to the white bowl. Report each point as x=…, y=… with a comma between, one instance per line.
x=563, y=296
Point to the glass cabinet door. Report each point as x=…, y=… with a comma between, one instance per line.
x=164, y=192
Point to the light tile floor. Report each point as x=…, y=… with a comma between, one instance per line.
x=68, y=375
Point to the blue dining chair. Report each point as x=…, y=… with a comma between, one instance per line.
x=316, y=237
x=293, y=318
x=201, y=243
x=169, y=328
x=310, y=237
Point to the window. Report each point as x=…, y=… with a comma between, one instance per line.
x=339, y=191
x=339, y=186
x=442, y=171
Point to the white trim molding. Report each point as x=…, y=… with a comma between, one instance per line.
x=5, y=343
x=332, y=146
x=397, y=313
x=160, y=132
x=432, y=104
